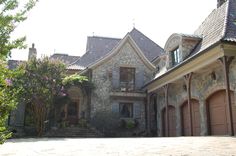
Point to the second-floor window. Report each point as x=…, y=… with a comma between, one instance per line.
x=176, y=56
x=127, y=79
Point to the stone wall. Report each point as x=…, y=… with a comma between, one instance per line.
x=203, y=84
x=106, y=80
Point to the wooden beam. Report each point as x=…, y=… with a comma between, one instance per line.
x=167, y=111
x=148, y=113
x=187, y=79
x=225, y=62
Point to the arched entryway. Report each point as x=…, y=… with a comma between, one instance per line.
x=217, y=113
x=186, y=118
x=172, y=121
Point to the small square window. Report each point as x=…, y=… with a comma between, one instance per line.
x=126, y=110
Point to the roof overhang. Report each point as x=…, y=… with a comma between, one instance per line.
x=192, y=64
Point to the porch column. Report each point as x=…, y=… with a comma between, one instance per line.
x=148, y=113
x=167, y=114
x=225, y=62
x=187, y=79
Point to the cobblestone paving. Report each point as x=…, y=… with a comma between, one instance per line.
x=179, y=146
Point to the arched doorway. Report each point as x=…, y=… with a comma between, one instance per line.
x=217, y=113
x=186, y=118
x=172, y=121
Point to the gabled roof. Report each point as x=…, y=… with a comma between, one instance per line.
x=65, y=58
x=150, y=49
x=116, y=49
x=98, y=47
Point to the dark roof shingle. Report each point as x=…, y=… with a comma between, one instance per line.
x=219, y=25
x=65, y=58
x=99, y=47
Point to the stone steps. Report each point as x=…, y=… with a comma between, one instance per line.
x=74, y=132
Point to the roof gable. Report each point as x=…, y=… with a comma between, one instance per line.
x=150, y=49
x=138, y=51
x=99, y=47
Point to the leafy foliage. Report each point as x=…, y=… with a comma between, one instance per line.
x=39, y=83
x=74, y=79
x=11, y=15
x=7, y=97
x=78, y=80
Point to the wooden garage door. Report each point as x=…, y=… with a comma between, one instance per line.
x=217, y=113
x=172, y=121
x=186, y=118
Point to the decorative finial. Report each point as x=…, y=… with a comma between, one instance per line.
x=133, y=23
x=93, y=33
x=32, y=45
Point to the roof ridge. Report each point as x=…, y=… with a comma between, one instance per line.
x=113, y=38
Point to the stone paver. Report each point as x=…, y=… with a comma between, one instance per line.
x=180, y=146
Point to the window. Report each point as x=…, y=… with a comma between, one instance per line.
x=127, y=79
x=175, y=56
x=126, y=110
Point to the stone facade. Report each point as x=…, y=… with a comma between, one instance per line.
x=106, y=80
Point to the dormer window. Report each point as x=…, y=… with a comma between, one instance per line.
x=176, y=56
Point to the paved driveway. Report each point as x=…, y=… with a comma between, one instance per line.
x=184, y=146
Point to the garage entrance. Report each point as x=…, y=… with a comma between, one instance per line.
x=172, y=121
x=186, y=118
x=218, y=119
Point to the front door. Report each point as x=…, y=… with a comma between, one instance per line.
x=72, y=113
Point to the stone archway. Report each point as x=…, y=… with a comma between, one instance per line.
x=73, y=110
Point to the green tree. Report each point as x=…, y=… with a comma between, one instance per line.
x=11, y=15
x=40, y=83
x=7, y=98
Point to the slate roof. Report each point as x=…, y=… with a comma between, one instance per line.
x=65, y=58
x=12, y=64
x=98, y=47
x=149, y=48
x=220, y=25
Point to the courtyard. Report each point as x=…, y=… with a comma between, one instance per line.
x=180, y=146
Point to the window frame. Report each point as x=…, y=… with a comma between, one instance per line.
x=130, y=106
x=126, y=84
x=175, y=54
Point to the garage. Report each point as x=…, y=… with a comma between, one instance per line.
x=186, y=118
x=218, y=119
x=172, y=121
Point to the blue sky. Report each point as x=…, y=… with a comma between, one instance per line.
x=62, y=26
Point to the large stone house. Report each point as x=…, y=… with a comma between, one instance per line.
x=194, y=92
x=118, y=68
x=189, y=88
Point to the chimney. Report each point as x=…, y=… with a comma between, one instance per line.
x=32, y=52
x=220, y=2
